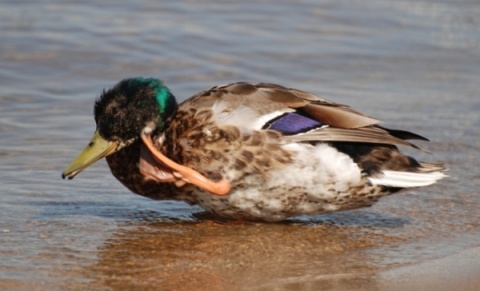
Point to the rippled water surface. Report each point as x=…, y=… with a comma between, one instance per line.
x=413, y=64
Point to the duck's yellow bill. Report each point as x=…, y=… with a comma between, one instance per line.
x=95, y=150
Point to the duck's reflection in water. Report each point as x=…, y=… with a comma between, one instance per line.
x=207, y=254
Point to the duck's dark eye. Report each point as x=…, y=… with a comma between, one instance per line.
x=114, y=111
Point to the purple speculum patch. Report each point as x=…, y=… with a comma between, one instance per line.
x=292, y=123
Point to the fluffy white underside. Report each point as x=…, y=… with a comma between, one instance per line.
x=317, y=166
x=320, y=170
x=406, y=179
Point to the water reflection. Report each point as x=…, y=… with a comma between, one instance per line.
x=208, y=254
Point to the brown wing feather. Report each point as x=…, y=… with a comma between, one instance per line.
x=338, y=116
x=325, y=111
x=371, y=134
x=264, y=97
x=344, y=123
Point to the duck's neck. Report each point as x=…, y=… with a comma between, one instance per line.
x=124, y=166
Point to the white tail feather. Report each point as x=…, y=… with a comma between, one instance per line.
x=406, y=179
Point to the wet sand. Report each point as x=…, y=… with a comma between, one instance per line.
x=458, y=271
x=294, y=256
x=216, y=255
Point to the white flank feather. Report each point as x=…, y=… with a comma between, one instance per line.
x=260, y=122
x=244, y=117
x=406, y=179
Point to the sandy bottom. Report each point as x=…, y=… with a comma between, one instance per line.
x=460, y=271
x=215, y=255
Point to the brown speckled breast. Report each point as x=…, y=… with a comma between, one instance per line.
x=123, y=165
x=222, y=150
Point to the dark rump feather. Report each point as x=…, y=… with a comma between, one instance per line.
x=373, y=158
x=403, y=134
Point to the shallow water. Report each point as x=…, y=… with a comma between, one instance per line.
x=413, y=64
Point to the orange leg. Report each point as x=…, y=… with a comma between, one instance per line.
x=187, y=174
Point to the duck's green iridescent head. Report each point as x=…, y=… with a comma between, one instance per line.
x=122, y=113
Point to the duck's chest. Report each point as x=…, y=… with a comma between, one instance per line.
x=124, y=166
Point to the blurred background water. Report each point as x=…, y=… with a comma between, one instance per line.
x=413, y=64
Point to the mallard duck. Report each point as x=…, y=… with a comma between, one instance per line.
x=249, y=150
